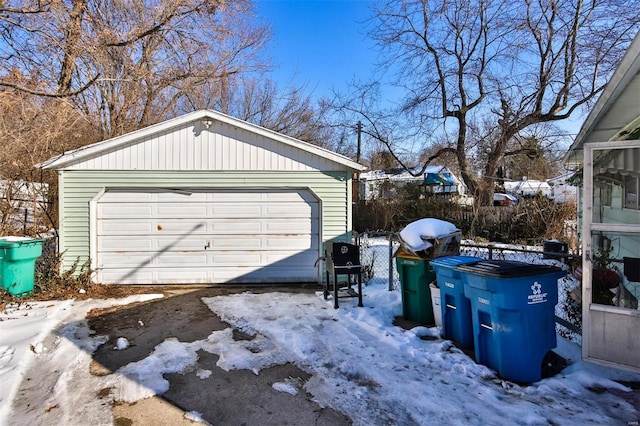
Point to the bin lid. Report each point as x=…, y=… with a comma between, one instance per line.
x=506, y=268
x=404, y=255
x=453, y=261
x=11, y=242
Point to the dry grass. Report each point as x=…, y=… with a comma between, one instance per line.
x=91, y=291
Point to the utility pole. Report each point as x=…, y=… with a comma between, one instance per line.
x=356, y=176
x=359, y=129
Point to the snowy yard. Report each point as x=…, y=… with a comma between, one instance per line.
x=361, y=365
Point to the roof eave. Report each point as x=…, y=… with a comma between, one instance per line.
x=629, y=65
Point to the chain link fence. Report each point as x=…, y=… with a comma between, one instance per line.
x=377, y=255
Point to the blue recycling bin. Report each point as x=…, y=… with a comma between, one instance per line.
x=513, y=315
x=457, y=324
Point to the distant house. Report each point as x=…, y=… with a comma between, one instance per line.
x=377, y=184
x=501, y=199
x=528, y=188
x=606, y=158
x=563, y=191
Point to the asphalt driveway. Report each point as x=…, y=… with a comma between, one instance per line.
x=235, y=397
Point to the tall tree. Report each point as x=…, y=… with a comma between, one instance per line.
x=288, y=109
x=126, y=64
x=511, y=64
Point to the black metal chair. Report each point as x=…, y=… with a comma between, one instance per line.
x=342, y=259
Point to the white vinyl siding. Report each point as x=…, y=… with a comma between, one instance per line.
x=222, y=147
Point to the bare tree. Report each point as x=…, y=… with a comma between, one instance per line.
x=512, y=64
x=288, y=109
x=32, y=129
x=126, y=64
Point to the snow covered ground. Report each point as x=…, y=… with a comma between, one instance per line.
x=361, y=364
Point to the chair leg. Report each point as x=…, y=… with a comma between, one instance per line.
x=335, y=291
x=326, y=286
x=360, y=305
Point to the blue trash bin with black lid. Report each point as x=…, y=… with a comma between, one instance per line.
x=457, y=324
x=513, y=315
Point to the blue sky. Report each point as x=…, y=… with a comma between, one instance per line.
x=320, y=42
x=323, y=44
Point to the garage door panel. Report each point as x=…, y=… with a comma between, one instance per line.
x=173, y=210
x=230, y=226
x=286, y=227
x=207, y=237
x=241, y=243
x=127, y=227
x=284, y=210
x=125, y=210
x=235, y=226
x=124, y=227
x=125, y=276
x=144, y=259
x=150, y=245
x=233, y=259
x=291, y=244
x=234, y=210
x=116, y=244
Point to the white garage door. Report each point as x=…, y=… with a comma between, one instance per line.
x=170, y=237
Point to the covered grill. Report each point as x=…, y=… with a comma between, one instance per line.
x=342, y=259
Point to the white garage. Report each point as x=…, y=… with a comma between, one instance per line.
x=203, y=198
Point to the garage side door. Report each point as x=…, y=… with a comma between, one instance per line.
x=185, y=236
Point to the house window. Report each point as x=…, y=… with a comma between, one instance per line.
x=631, y=192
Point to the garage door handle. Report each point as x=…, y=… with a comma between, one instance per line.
x=208, y=245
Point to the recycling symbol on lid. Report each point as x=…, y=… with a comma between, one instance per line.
x=536, y=288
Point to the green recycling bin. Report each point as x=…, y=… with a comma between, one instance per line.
x=415, y=276
x=18, y=263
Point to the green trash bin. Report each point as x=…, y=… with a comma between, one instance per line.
x=18, y=263
x=415, y=276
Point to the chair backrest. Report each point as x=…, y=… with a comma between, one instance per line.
x=341, y=255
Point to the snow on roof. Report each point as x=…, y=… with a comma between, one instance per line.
x=399, y=174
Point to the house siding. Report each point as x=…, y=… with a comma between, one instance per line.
x=620, y=114
x=79, y=187
x=221, y=147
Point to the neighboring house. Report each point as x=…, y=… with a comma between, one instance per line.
x=606, y=155
x=527, y=188
x=22, y=204
x=562, y=190
x=202, y=198
x=501, y=199
x=377, y=184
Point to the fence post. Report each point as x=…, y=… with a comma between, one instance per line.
x=490, y=246
x=391, y=262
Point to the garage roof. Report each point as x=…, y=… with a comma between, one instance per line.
x=202, y=119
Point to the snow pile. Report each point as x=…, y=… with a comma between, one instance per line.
x=429, y=237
